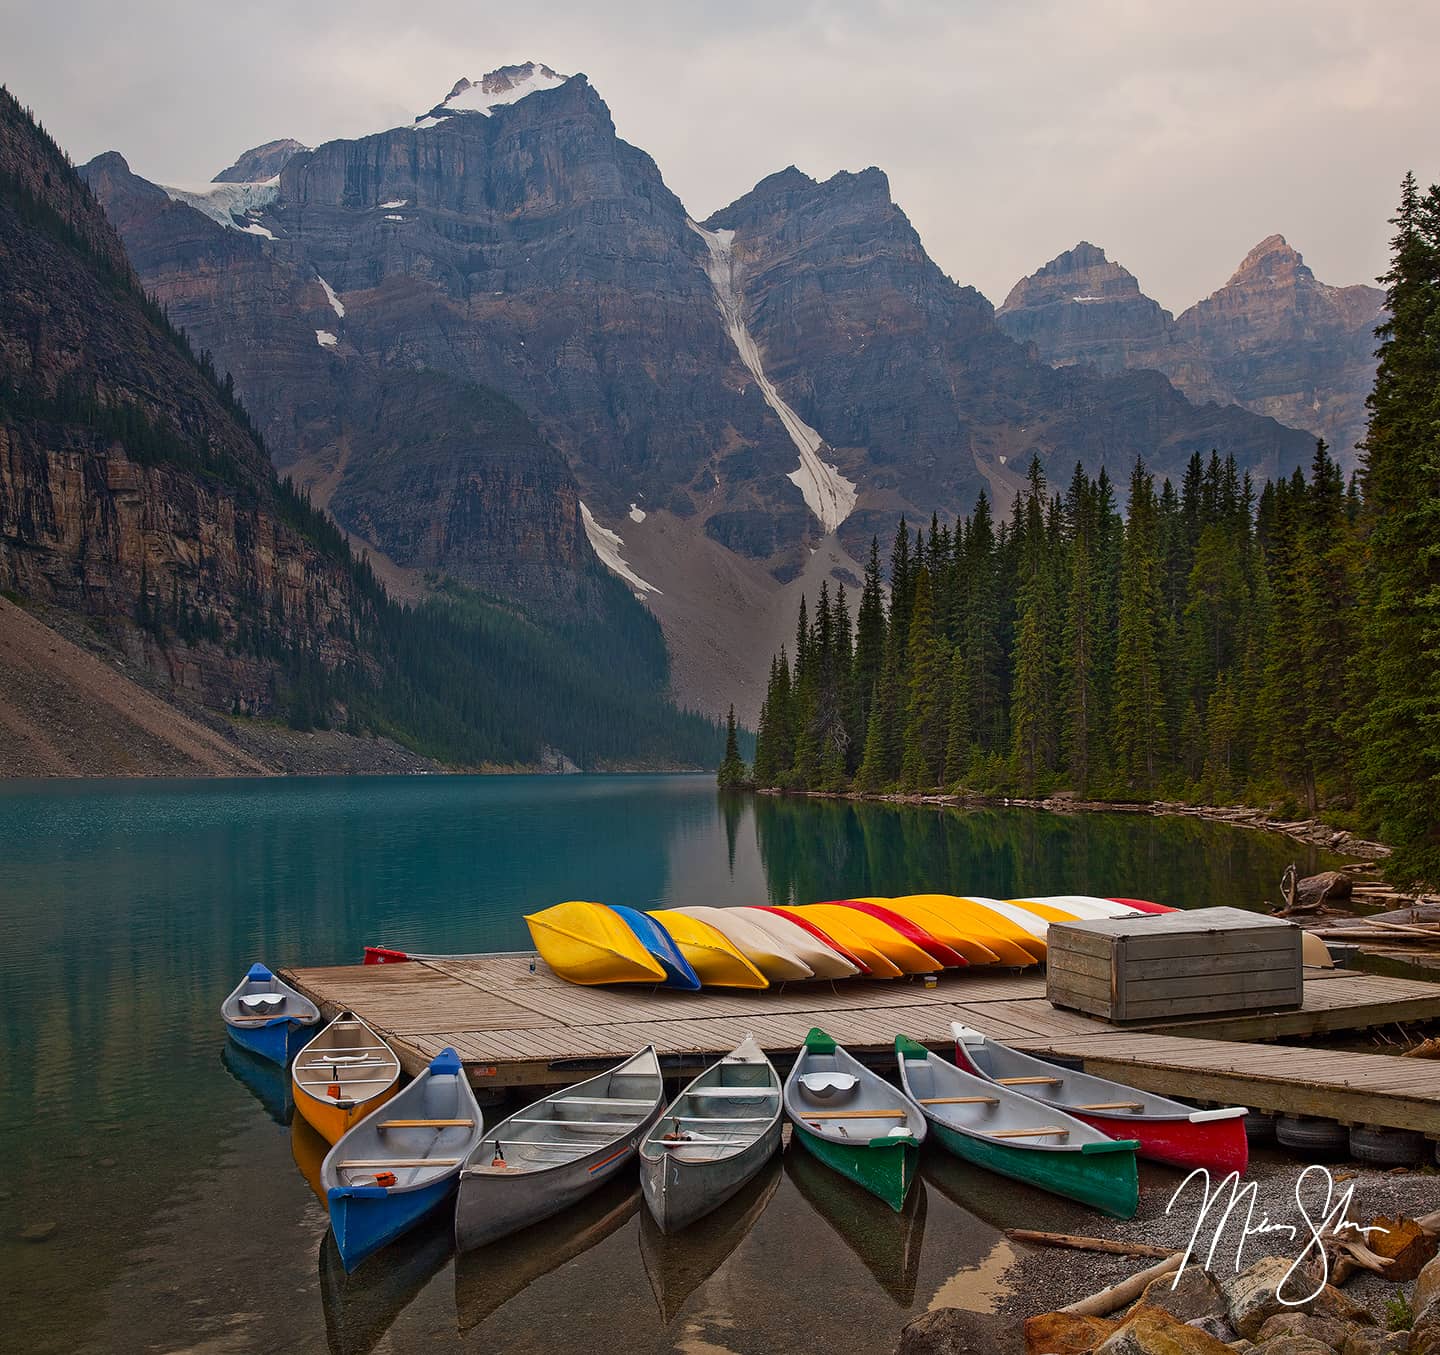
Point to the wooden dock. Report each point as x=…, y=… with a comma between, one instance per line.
x=515, y=1027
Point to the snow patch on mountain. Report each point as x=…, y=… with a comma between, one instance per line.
x=325, y=338
x=228, y=203
x=637, y=514
x=608, y=545
x=827, y=493
x=336, y=304
x=499, y=88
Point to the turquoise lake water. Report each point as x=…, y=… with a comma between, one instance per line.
x=150, y=1198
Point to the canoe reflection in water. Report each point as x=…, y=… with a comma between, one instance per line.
x=489, y=1277
x=308, y=1149
x=887, y=1243
x=360, y=1307
x=267, y=1082
x=679, y=1263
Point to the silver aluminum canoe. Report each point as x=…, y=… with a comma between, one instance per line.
x=556, y=1151
x=713, y=1138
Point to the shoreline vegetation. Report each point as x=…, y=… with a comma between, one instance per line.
x=1208, y=643
x=1311, y=832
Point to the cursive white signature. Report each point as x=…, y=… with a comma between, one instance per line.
x=1330, y=1219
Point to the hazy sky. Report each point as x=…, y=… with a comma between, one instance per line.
x=1174, y=135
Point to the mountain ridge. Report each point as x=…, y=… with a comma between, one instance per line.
x=814, y=369
x=1273, y=339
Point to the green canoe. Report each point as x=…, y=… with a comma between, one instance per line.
x=853, y=1120
x=1006, y=1132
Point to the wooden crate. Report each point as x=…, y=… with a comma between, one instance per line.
x=1164, y=965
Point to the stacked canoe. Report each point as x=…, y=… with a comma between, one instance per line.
x=754, y=947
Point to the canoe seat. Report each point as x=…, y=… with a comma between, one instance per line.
x=824, y=1086
x=1045, y=1131
x=263, y=1000
x=959, y=1100
x=1028, y=1081
x=1112, y=1105
x=734, y=1093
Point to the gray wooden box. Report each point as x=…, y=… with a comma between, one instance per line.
x=1169, y=965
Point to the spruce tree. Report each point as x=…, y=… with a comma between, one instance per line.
x=1399, y=763
x=1138, y=696
x=732, y=769
x=925, y=710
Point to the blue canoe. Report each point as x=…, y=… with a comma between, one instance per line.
x=661, y=945
x=269, y=1018
x=402, y=1161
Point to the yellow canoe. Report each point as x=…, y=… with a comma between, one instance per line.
x=976, y=950
x=343, y=1074
x=877, y=935
x=769, y=954
x=1022, y=928
x=875, y=960
x=998, y=935
x=589, y=943
x=716, y=962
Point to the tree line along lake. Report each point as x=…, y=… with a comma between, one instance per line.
x=150, y=1200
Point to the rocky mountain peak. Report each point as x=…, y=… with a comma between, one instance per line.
x=1080, y=276
x=261, y=162
x=500, y=87
x=1274, y=260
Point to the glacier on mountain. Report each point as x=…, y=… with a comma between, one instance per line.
x=827, y=493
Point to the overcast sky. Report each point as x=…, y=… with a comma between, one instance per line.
x=1175, y=136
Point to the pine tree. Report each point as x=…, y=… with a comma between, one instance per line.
x=1138, y=698
x=925, y=710
x=869, y=640
x=1399, y=765
x=959, y=743
x=732, y=769
x=1078, y=660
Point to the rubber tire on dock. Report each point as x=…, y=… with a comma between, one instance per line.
x=1318, y=1139
x=1387, y=1147
x=1259, y=1126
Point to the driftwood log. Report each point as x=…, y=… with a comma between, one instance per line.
x=1085, y=1243
x=1118, y=1295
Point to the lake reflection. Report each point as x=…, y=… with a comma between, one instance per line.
x=151, y=1160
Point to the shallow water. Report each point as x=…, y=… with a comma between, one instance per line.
x=157, y=1172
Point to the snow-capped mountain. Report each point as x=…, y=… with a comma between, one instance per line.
x=740, y=402
x=498, y=89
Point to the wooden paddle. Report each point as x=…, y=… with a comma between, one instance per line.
x=426, y=1124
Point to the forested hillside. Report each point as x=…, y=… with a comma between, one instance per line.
x=1217, y=642
x=135, y=492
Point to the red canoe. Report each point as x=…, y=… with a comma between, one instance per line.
x=1145, y=906
x=943, y=955
x=1166, y=1130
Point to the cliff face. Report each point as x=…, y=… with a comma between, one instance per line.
x=432, y=471
x=1274, y=339
x=127, y=490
